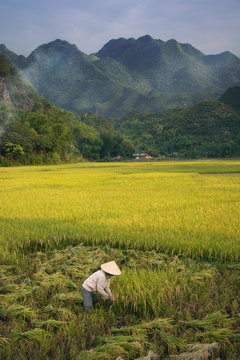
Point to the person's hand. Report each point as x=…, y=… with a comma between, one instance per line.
x=108, y=301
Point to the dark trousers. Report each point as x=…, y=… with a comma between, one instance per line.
x=89, y=300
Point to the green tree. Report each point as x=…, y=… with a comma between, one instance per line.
x=88, y=141
x=115, y=144
x=11, y=151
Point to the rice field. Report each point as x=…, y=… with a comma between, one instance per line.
x=173, y=228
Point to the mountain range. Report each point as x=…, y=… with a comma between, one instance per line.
x=33, y=131
x=126, y=75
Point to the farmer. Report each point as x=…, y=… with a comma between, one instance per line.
x=99, y=282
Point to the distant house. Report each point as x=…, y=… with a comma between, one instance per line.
x=147, y=156
x=141, y=156
x=119, y=157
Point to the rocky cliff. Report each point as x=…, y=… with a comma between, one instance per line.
x=4, y=93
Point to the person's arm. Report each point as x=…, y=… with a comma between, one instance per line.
x=108, y=291
x=101, y=289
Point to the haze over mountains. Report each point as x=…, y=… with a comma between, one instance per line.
x=127, y=75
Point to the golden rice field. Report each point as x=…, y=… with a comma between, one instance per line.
x=175, y=207
x=172, y=227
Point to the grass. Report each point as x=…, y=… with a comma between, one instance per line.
x=173, y=230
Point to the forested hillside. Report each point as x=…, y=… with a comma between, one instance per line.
x=13, y=90
x=208, y=129
x=231, y=97
x=33, y=131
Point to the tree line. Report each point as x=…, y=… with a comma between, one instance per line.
x=44, y=134
x=207, y=129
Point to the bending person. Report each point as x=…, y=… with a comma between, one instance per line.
x=99, y=283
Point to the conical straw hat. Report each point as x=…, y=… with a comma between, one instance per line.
x=111, y=268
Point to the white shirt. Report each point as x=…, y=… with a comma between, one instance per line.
x=99, y=282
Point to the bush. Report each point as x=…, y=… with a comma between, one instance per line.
x=4, y=162
x=52, y=158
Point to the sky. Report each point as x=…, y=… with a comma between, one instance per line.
x=212, y=26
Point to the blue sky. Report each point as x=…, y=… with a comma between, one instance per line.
x=211, y=26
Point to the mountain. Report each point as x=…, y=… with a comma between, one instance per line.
x=33, y=131
x=231, y=97
x=127, y=75
x=17, y=60
x=171, y=66
x=71, y=80
x=13, y=90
